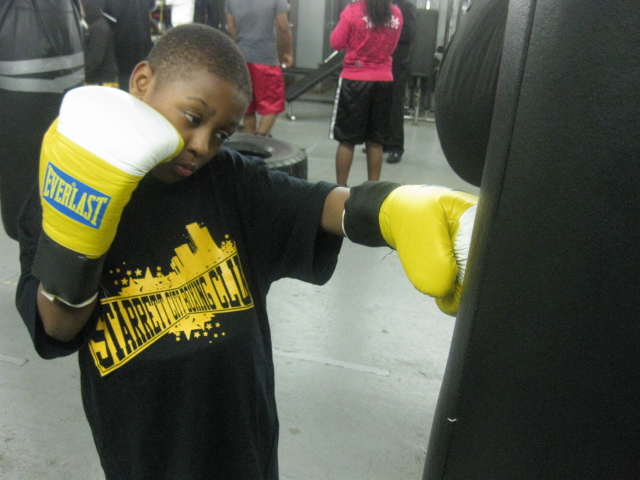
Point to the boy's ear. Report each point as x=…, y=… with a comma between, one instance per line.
x=141, y=80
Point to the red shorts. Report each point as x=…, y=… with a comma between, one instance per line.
x=267, y=82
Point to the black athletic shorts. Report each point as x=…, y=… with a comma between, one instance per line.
x=361, y=112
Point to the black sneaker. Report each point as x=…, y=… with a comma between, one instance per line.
x=394, y=157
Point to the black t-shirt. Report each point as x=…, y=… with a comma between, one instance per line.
x=402, y=54
x=177, y=370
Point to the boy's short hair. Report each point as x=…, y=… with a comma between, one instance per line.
x=191, y=46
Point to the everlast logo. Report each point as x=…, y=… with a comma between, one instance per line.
x=73, y=198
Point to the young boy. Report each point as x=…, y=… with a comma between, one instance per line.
x=168, y=314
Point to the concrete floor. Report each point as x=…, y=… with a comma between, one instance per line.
x=359, y=361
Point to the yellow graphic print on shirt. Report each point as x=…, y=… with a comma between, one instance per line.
x=205, y=280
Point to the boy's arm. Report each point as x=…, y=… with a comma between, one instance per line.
x=27, y=289
x=93, y=156
x=331, y=220
x=429, y=226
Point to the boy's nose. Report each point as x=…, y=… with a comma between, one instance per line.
x=200, y=144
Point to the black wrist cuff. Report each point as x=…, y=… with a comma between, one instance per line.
x=362, y=210
x=64, y=273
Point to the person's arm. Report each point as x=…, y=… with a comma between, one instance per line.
x=62, y=322
x=284, y=39
x=50, y=342
x=429, y=226
x=231, y=28
x=331, y=220
x=340, y=34
x=409, y=24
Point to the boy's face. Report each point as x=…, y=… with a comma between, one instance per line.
x=205, y=109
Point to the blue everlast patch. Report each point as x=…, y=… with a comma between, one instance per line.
x=74, y=199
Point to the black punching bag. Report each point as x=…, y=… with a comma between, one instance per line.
x=466, y=87
x=543, y=377
x=41, y=57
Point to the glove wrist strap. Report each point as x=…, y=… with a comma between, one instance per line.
x=69, y=276
x=361, y=222
x=52, y=298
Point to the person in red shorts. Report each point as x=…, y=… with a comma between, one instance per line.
x=250, y=24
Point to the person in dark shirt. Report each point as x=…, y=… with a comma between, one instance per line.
x=131, y=23
x=210, y=12
x=401, y=68
x=149, y=249
x=101, y=67
x=41, y=58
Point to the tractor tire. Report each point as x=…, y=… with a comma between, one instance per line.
x=278, y=154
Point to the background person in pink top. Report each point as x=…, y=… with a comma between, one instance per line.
x=369, y=31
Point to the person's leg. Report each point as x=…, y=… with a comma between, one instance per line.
x=349, y=123
x=425, y=97
x=344, y=158
x=250, y=123
x=395, y=145
x=374, y=160
x=378, y=126
x=413, y=85
x=266, y=124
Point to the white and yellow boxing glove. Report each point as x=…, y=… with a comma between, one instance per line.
x=429, y=226
x=93, y=157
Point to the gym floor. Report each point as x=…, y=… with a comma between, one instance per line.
x=359, y=361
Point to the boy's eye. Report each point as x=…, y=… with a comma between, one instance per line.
x=221, y=136
x=194, y=120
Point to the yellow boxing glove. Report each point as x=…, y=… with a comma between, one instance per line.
x=93, y=157
x=429, y=226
